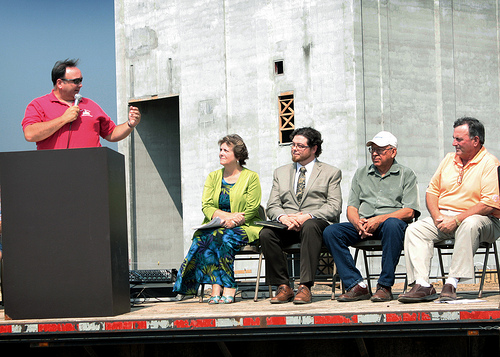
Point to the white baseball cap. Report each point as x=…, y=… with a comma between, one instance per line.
x=382, y=139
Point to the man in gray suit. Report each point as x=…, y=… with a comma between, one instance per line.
x=306, y=198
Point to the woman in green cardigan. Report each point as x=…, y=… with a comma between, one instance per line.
x=232, y=194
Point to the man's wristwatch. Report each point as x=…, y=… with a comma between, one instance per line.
x=457, y=221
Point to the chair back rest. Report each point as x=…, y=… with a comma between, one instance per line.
x=262, y=213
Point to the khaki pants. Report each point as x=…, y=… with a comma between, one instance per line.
x=421, y=235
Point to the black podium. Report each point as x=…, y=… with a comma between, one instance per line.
x=64, y=233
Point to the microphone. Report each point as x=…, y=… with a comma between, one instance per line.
x=78, y=98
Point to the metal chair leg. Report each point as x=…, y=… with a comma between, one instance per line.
x=334, y=280
x=259, y=269
x=202, y=291
x=441, y=265
x=367, y=270
x=495, y=251
x=483, y=273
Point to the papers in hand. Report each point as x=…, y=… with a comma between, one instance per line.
x=272, y=224
x=214, y=223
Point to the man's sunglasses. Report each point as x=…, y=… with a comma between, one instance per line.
x=76, y=81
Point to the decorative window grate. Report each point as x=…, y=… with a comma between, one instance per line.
x=287, y=117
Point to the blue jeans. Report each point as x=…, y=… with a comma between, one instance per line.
x=338, y=237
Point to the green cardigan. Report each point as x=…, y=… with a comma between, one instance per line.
x=244, y=197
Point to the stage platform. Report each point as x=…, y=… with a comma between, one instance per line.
x=189, y=320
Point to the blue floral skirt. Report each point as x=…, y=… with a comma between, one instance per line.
x=210, y=259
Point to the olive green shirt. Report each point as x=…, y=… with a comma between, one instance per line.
x=374, y=195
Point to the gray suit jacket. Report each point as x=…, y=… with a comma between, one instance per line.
x=322, y=196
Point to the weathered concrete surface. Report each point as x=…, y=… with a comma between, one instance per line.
x=355, y=67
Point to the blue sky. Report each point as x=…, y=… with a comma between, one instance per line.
x=34, y=35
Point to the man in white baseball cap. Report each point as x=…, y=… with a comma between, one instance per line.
x=382, y=139
x=382, y=201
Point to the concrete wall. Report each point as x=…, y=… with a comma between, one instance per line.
x=355, y=68
x=427, y=63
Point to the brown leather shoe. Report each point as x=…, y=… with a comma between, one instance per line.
x=448, y=293
x=382, y=294
x=419, y=293
x=354, y=294
x=303, y=296
x=283, y=294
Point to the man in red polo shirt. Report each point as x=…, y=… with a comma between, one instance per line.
x=55, y=122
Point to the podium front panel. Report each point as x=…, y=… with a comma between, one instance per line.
x=64, y=233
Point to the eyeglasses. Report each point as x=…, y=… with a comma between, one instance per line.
x=378, y=151
x=299, y=146
x=76, y=81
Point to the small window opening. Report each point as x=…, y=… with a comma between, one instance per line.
x=278, y=67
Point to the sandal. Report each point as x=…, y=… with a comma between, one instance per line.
x=214, y=300
x=226, y=300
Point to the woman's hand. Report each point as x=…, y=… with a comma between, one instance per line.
x=239, y=218
x=231, y=220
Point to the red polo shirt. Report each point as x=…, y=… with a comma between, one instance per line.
x=91, y=124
